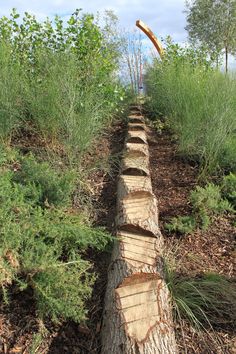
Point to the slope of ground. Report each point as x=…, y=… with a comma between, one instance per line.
x=20, y=332
x=202, y=251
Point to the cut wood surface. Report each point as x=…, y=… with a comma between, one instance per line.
x=141, y=148
x=138, y=211
x=131, y=184
x=138, y=137
x=136, y=119
x=138, y=250
x=137, y=315
x=136, y=126
x=134, y=164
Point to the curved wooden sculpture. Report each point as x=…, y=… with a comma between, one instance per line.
x=137, y=313
x=151, y=36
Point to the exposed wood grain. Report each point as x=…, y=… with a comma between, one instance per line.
x=141, y=148
x=138, y=137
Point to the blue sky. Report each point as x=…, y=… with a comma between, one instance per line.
x=164, y=17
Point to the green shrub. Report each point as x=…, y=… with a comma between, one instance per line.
x=11, y=105
x=43, y=184
x=229, y=188
x=42, y=249
x=60, y=78
x=181, y=224
x=206, y=202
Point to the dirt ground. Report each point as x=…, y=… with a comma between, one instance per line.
x=202, y=251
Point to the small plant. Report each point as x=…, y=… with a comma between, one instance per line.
x=229, y=188
x=181, y=224
x=206, y=300
x=206, y=203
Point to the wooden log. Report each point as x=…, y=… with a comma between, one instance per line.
x=136, y=126
x=138, y=250
x=133, y=184
x=138, y=212
x=135, y=164
x=138, y=137
x=137, y=315
x=142, y=149
x=134, y=118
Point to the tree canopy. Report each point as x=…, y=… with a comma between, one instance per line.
x=212, y=23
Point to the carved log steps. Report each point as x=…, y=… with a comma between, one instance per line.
x=137, y=313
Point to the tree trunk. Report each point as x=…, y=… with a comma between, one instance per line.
x=226, y=59
x=137, y=314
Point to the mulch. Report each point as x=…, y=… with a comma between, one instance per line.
x=199, y=252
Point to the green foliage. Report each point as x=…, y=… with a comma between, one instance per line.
x=206, y=203
x=229, y=188
x=42, y=248
x=209, y=198
x=60, y=78
x=10, y=94
x=204, y=300
x=200, y=104
x=45, y=185
x=181, y=224
x=213, y=24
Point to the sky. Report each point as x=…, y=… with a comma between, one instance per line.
x=164, y=17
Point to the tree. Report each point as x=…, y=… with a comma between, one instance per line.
x=212, y=23
x=132, y=59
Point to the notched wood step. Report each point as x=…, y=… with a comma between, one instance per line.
x=136, y=126
x=141, y=148
x=135, y=165
x=138, y=250
x=131, y=184
x=138, y=211
x=138, y=137
x=138, y=300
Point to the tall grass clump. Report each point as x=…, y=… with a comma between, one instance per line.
x=200, y=103
x=204, y=300
x=10, y=94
